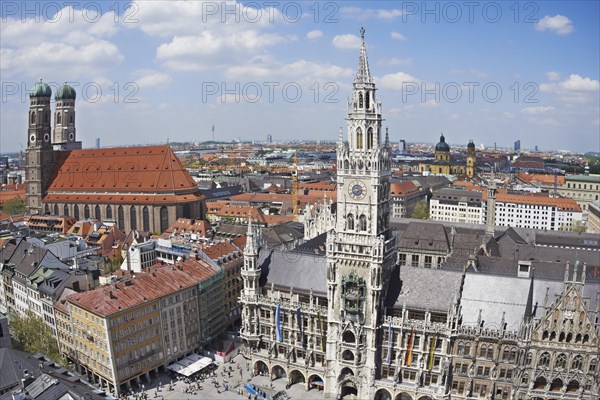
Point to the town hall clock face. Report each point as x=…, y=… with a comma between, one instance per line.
x=357, y=190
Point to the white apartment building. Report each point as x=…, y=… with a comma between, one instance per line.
x=516, y=210
x=457, y=205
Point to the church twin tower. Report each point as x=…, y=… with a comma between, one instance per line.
x=40, y=159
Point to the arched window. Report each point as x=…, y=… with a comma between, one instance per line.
x=109, y=212
x=529, y=359
x=46, y=118
x=553, y=335
x=76, y=212
x=86, y=211
x=577, y=363
x=350, y=222
x=362, y=224
x=370, y=138
x=164, y=219
x=346, y=164
x=544, y=360
x=461, y=348
x=360, y=100
x=133, y=218
x=561, y=337
x=368, y=100
x=593, y=365
x=540, y=383
x=359, y=138
x=71, y=117
x=66, y=210
x=120, y=218
x=56, y=209
x=569, y=337
x=348, y=337
x=578, y=338
x=33, y=117
x=556, y=385
x=59, y=118
x=573, y=386
x=467, y=349
x=545, y=335
x=46, y=209
x=561, y=361
x=145, y=219
x=586, y=337
x=97, y=212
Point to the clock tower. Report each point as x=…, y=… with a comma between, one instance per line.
x=361, y=251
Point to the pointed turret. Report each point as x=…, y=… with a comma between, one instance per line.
x=363, y=74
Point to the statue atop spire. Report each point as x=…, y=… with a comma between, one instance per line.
x=363, y=75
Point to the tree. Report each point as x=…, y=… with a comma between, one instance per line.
x=14, y=206
x=421, y=210
x=33, y=336
x=578, y=227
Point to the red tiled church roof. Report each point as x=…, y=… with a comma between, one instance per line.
x=147, y=169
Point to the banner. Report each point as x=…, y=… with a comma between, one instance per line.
x=320, y=319
x=431, y=352
x=278, y=323
x=409, y=346
x=389, y=352
x=299, y=320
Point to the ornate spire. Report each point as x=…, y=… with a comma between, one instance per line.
x=363, y=74
x=387, y=137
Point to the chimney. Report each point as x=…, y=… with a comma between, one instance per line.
x=490, y=221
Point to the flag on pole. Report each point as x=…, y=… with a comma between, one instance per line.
x=409, y=346
x=278, y=322
x=431, y=352
x=389, y=352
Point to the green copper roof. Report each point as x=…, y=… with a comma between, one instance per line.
x=65, y=92
x=40, y=89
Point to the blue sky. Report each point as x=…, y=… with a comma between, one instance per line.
x=150, y=71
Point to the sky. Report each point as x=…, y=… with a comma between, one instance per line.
x=148, y=72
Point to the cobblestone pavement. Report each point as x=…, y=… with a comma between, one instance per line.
x=158, y=388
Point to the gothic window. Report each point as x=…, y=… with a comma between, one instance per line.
x=360, y=100
x=561, y=337
x=461, y=348
x=553, y=335
x=46, y=118
x=350, y=222
x=71, y=116
x=121, y=218
x=33, y=117
x=132, y=218
x=109, y=212
x=362, y=223
x=164, y=219
x=573, y=386
x=509, y=354
x=577, y=363
x=347, y=355
x=56, y=209
x=586, y=338
x=348, y=337
x=561, y=361
x=145, y=219
x=540, y=383
x=76, y=212
x=556, y=385
x=47, y=209
x=545, y=335
x=370, y=138
x=359, y=138
x=569, y=337
x=593, y=365
x=59, y=118
x=467, y=349
x=486, y=351
x=66, y=210
x=97, y=212
x=367, y=99
x=86, y=211
x=544, y=360
x=529, y=359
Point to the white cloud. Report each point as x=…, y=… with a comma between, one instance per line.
x=302, y=70
x=398, y=36
x=149, y=78
x=575, y=83
x=537, y=110
x=397, y=81
x=544, y=122
x=553, y=76
x=431, y=103
x=347, y=41
x=71, y=44
x=558, y=24
x=314, y=34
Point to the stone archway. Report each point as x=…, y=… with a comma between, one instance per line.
x=296, y=377
x=403, y=396
x=348, y=389
x=261, y=368
x=383, y=394
x=425, y=398
x=315, y=382
x=277, y=371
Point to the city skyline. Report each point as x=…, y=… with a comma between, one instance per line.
x=174, y=73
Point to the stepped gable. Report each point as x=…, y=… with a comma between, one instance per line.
x=147, y=169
